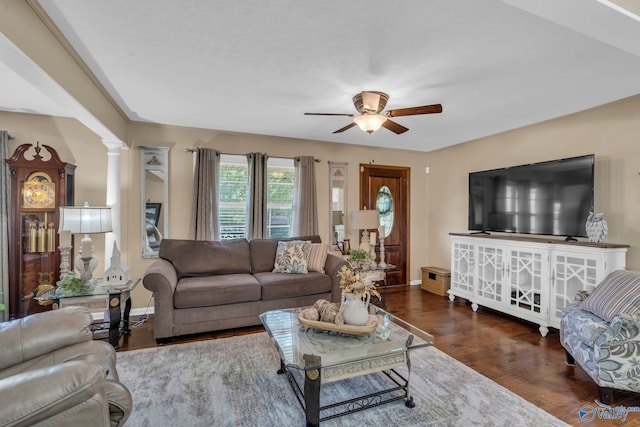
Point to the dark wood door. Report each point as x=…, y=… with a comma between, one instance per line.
x=386, y=188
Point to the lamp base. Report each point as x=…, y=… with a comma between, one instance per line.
x=365, y=245
x=65, y=252
x=86, y=266
x=382, y=262
x=373, y=264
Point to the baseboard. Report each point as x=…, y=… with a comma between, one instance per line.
x=139, y=312
x=135, y=314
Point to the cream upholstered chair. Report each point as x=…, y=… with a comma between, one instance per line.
x=52, y=372
x=601, y=333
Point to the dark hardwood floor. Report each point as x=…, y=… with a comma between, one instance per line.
x=509, y=351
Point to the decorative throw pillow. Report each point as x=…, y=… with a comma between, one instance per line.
x=292, y=257
x=619, y=293
x=317, y=257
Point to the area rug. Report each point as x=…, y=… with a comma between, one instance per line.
x=234, y=382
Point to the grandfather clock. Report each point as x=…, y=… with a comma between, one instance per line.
x=40, y=184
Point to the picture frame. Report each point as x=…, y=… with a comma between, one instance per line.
x=153, y=212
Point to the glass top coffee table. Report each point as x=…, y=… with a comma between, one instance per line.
x=312, y=357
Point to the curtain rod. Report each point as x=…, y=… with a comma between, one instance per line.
x=193, y=150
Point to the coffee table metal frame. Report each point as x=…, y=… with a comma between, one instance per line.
x=383, y=355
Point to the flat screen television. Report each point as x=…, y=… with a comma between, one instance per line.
x=547, y=198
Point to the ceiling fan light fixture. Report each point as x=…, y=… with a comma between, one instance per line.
x=370, y=122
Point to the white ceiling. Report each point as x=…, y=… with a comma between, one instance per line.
x=256, y=67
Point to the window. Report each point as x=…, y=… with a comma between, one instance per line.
x=232, y=209
x=280, y=175
x=234, y=192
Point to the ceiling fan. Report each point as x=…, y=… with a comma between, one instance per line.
x=370, y=105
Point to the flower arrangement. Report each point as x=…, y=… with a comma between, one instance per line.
x=350, y=282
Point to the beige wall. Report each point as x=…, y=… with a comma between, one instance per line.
x=75, y=144
x=438, y=200
x=611, y=132
x=181, y=173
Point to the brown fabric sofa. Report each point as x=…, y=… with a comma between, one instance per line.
x=201, y=286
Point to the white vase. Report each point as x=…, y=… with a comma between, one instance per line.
x=355, y=310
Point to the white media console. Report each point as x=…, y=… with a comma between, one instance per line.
x=527, y=277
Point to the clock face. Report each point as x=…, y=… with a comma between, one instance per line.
x=38, y=191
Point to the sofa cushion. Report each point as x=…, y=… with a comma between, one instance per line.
x=284, y=285
x=263, y=252
x=619, y=293
x=216, y=290
x=205, y=258
x=292, y=257
x=317, y=257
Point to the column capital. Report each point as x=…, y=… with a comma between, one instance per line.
x=114, y=145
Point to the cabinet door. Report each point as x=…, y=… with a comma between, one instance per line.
x=572, y=272
x=489, y=275
x=462, y=269
x=38, y=260
x=528, y=280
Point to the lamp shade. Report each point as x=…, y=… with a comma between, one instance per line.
x=365, y=219
x=85, y=219
x=370, y=122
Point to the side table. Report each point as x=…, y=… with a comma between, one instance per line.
x=379, y=274
x=105, y=297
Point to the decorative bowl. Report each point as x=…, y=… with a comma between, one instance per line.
x=366, y=329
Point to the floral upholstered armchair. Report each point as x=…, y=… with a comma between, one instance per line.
x=601, y=332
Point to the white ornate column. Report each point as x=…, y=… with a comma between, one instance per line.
x=113, y=196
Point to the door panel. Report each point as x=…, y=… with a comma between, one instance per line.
x=386, y=188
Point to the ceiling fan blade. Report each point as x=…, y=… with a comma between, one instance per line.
x=347, y=127
x=394, y=127
x=329, y=114
x=412, y=111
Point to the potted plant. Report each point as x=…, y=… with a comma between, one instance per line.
x=72, y=286
x=359, y=259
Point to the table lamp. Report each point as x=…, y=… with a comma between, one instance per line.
x=366, y=220
x=85, y=220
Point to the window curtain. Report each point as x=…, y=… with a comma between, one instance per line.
x=5, y=182
x=257, y=196
x=204, y=220
x=305, y=209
